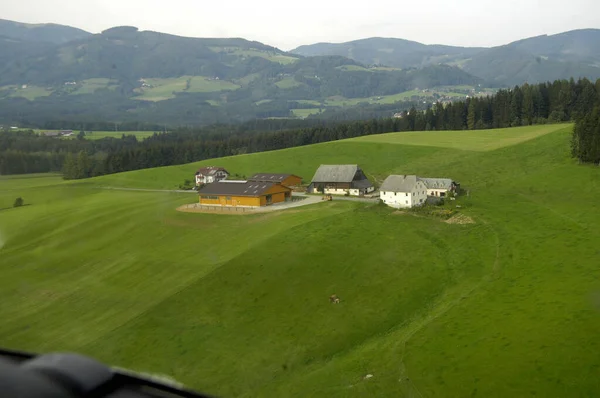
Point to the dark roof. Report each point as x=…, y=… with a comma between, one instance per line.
x=268, y=177
x=246, y=189
x=335, y=173
x=210, y=170
x=362, y=184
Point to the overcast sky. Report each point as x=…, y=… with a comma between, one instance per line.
x=288, y=24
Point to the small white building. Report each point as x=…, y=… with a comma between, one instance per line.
x=210, y=174
x=403, y=191
x=439, y=187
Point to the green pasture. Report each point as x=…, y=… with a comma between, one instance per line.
x=167, y=88
x=287, y=82
x=304, y=113
x=30, y=92
x=508, y=306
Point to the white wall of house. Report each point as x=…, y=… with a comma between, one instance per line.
x=399, y=200
x=202, y=179
x=338, y=191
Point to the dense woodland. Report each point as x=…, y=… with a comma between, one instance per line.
x=559, y=101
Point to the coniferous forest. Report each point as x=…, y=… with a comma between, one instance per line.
x=559, y=101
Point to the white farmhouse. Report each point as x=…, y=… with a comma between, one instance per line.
x=438, y=187
x=401, y=191
x=210, y=174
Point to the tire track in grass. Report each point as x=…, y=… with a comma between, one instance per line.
x=440, y=308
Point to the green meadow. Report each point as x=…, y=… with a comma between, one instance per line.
x=508, y=306
x=162, y=89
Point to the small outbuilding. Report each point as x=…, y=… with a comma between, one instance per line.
x=439, y=187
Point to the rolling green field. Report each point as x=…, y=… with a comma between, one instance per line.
x=30, y=92
x=287, y=82
x=303, y=113
x=388, y=99
x=90, y=86
x=269, y=55
x=163, y=89
x=238, y=306
x=96, y=135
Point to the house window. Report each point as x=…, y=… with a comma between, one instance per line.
x=210, y=197
x=227, y=197
x=407, y=202
x=406, y=194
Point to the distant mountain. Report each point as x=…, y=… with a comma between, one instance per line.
x=549, y=57
x=398, y=53
x=125, y=74
x=124, y=53
x=48, y=33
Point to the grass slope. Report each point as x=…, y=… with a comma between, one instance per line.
x=237, y=306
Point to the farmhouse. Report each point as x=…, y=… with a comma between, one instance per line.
x=401, y=191
x=288, y=180
x=210, y=174
x=340, y=180
x=439, y=186
x=244, y=194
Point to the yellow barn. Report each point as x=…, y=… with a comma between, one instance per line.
x=245, y=193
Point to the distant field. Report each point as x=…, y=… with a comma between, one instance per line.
x=89, y=86
x=163, y=89
x=30, y=93
x=238, y=306
x=473, y=140
x=270, y=55
x=353, y=68
x=389, y=99
x=303, y=113
x=96, y=135
x=287, y=82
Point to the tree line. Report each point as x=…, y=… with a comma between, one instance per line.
x=559, y=101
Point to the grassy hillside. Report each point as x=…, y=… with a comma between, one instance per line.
x=238, y=306
x=420, y=153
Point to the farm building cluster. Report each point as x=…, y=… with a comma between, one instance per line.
x=264, y=189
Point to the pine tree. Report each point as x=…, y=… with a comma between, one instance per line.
x=69, y=167
x=471, y=115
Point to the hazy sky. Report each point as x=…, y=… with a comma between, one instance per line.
x=287, y=24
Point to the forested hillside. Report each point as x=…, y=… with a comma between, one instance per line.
x=537, y=59
x=559, y=101
x=124, y=75
x=56, y=76
x=46, y=33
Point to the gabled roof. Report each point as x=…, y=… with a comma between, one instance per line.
x=335, y=173
x=437, y=183
x=270, y=177
x=249, y=188
x=210, y=170
x=399, y=183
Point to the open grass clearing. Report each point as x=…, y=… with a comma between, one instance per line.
x=238, y=306
x=473, y=140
